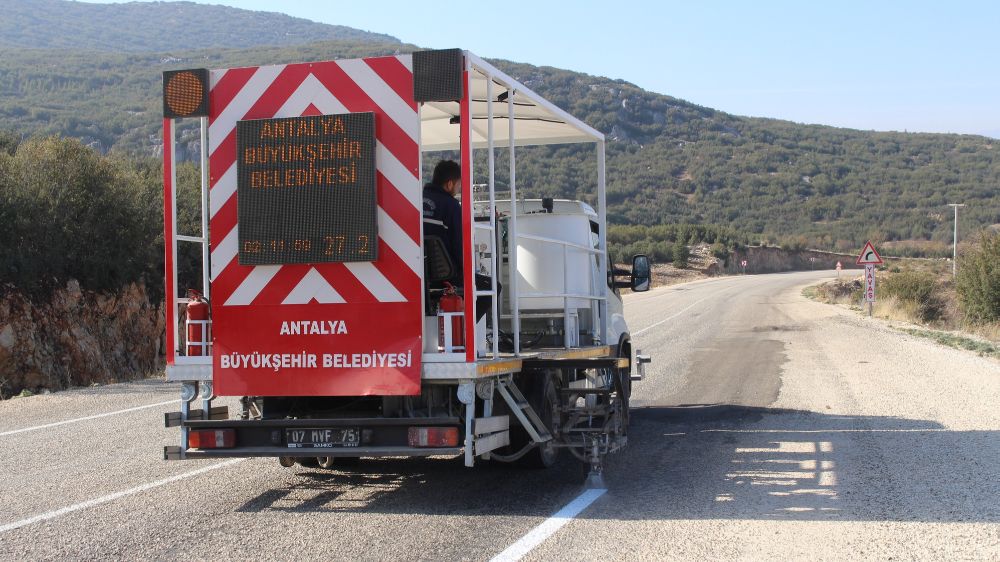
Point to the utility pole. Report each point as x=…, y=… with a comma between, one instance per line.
x=954, y=247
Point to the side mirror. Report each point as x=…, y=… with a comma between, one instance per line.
x=641, y=276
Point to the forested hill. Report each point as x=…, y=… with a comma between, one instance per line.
x=669, y=161
x=158, y=26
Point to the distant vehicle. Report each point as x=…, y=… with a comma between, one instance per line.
x=330, y=312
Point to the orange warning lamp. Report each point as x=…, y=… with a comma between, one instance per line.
x=185, y=93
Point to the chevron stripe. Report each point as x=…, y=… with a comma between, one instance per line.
x=385, y=97
x=397, y=75
x=225, y=252
x=375, y=282
x=311, y=91
x=223, y=189
x=400, y=242
x=225, y=122
x=313, y=287
x=398, y=175
x=252, y=285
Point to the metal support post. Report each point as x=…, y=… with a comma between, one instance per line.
x=515, y=303
x=495, y=267
x=205, y=270
x=602, y=212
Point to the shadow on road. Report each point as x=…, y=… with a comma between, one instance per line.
x=735, y=462
x=699, y=462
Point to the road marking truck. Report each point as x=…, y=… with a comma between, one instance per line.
x=333, y=316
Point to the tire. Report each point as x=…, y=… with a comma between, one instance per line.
x=544, y=398
x=624, y=385
x=625, y=382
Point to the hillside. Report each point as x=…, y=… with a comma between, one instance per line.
x=158, y=26
x=669, y=161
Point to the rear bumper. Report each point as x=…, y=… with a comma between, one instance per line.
x=239, y=452
x=380, y=437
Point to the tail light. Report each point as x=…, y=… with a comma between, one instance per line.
x=433, y=437
x=212, y=438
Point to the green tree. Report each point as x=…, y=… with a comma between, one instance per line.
x=978, y=279
x=71, y=213
x=681, y=255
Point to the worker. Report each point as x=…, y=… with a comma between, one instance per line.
x=443, y=218
x=443, y=213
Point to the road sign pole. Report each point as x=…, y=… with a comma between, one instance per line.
x=870, y=286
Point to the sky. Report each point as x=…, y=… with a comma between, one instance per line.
x=887, y=65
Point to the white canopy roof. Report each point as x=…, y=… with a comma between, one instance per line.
x=536, y=121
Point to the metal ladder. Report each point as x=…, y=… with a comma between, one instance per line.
x=523, y=410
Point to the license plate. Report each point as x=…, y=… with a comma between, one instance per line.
x=307, y=438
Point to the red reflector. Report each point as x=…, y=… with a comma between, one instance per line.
x=433, y=437
x=212, y=438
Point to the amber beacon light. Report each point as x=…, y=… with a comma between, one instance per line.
x=185, y=93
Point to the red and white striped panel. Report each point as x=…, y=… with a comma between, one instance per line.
x=380, y=85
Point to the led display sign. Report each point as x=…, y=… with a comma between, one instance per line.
x=306, y=189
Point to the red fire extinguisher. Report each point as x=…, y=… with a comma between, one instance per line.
x=451, y=301
x=198, y=325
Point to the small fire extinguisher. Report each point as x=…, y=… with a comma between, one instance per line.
x=198, y=325
x=451, y=301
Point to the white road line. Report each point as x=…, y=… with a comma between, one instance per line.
x=669, y=318
x=548, y=528
x=94, y=417
x=111, y=497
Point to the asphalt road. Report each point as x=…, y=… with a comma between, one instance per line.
x=768, y=427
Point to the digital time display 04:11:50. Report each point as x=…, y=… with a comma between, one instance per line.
x=331, y=246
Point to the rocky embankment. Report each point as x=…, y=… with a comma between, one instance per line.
x=773, y=259
x=78, y=338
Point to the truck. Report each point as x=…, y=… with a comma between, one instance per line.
x=342, y=327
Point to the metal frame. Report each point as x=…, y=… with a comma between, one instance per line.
x=493, y=76
x=183, y=367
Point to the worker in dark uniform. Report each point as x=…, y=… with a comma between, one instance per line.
x=443, y=213
x=443, y=218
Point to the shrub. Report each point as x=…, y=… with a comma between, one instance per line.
x=68, y=213
x=720, y=251
x=978, y=280
x=794, y=243
x=918, y=289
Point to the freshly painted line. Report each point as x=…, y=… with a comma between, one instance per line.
x=111, y=497
x=94, y=417
x=548, y=528
x=669, y=318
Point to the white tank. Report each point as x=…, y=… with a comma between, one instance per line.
x=542, y=267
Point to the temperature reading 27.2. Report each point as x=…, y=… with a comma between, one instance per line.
x=338, y=245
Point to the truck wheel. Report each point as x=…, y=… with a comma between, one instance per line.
x=544, y=398
x=625, y=386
